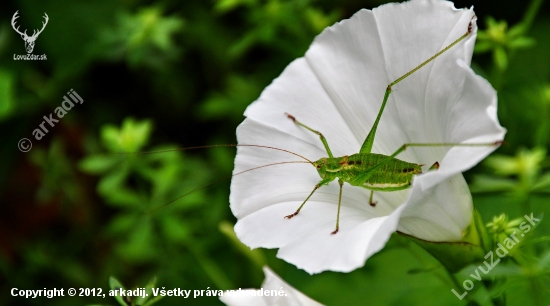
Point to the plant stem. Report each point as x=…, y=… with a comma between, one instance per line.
x=531, y=13
x=210, y=267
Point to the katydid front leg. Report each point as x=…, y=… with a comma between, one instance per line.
x=322, y=182
x=323, y=139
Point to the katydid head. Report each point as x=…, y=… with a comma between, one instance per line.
x=327, y=167
x=321, y=166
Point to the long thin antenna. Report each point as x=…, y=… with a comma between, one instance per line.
x=218, y=145
x=223, y=178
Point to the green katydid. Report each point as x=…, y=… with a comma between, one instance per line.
x=375, y=172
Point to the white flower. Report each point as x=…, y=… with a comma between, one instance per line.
x=279, y=294
x=337, y=88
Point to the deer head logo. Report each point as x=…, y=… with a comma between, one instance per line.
x=29, y=40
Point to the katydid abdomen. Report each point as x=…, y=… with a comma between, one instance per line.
x=392, y=176
x=359, y=170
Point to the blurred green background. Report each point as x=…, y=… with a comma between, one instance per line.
x=157, y=75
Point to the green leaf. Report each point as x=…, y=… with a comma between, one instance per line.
x=111, y=186
x=224, y=6
x=114, y=284
x=498, y=286
x=481, y=231
x=453, y=255
x=140, y=244
x=486, y=183
x=148, y=291
x=129, y=138
x=154, y=300
x=98, y=164
x=7, y=101
x=238, y=91
x=110, y=137
x=521, y=43
x=319, y=20
x=543, y=184
x=503, y=269
x=174, y=229
x=124, y=198
x=537, y=240
x=483, y=46
x=491, y=22
x=525, y=163
x=143, y=38
x=500, y=57
x=544, y=261
x=161, y=34
x=111, y=182
x=422, y=270
x=483, y=35
x=122, y=224
x=517, y=30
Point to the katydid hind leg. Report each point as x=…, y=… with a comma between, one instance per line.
x=445, y=144
x=369, y=140
x=367, y=174
x=435, y=166
x=371, y=202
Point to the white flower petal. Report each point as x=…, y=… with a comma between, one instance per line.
x=291, y=296
x=298, y=92
x=439, y=213
x=305, y=240
x=338, y=89
x=462, y=118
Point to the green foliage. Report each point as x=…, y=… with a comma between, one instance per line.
x=139, y=185
x=501, y=227
x=83, y=204
x=453, y=256
x=145, y=296
x=275, y=18
x=520, y=175
x=498, y=39
x=143, y=38
x=6, y=91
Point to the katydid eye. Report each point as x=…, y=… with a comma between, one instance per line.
x=318, y=166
